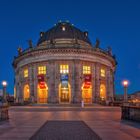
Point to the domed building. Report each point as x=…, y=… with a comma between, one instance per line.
x=64, y=67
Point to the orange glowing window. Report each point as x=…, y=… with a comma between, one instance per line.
x=64, y=69
x=26, y=73
x=102, y=91
x=103, y=72
x=26, y=92
x=42, y=70
x=86, y=70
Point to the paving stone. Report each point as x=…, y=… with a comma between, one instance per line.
x=105, y=121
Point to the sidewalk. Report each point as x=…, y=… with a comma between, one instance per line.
x=105, y=121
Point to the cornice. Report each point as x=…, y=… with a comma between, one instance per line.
x=67, y=50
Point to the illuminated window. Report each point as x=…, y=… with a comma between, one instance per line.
x=102, y=72
x=26, y=73
x=86, y=70
x=26, y=92
x=42, y=70
x=102, y=91
x=64, y=69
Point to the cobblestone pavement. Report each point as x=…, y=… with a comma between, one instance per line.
x=24, y=122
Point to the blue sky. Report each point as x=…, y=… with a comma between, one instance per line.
x=115, y=22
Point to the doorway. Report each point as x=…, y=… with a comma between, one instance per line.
x=64, y=93
x=87, y=92
x=42, y=92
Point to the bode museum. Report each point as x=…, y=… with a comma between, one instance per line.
x=64, y=67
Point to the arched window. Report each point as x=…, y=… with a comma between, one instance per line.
x=103, y=91
x=26, y=92
x=42, y=92
x=87, y=92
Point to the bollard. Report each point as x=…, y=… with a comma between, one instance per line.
x=82, y=103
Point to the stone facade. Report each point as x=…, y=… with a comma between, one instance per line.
x=69, y=52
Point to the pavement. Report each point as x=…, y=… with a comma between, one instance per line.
x=26, y=121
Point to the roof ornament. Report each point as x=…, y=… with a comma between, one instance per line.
x=30, y=43
x=86, y=33
x=41, y=34
x=19, y=50
x=97, y=44
x=109, y=50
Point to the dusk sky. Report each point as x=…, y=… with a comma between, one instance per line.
x=115, y=23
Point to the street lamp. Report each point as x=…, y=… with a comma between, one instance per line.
x=4, y=84
x=125, y=84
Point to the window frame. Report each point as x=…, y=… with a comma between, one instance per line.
x=42, y=70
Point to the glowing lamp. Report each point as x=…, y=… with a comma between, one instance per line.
x=4, y=83
x=125, y=83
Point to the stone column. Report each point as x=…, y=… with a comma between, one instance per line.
x=108, y=84
x=112, y=86
x=93, y=82
x=57, y=82
x=78, y=82
x=35, y=82
x=20, y=86
x=31, y=83
x=17, y=85
x=72, y=81
x=97, y=82
x=51, y=83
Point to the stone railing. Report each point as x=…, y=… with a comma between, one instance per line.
x=4, y=112
x=131, y=113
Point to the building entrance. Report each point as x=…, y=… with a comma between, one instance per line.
x=42, y=93
x=64, y=93
x=87, y=93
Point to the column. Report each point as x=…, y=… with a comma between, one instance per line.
x=97, y=82
x=35, y=82
x=108, y=83
x=93, y=82
x=78, y=82
x=72, y=81
x=51, y=82
x=31, y=83
x=57, y=82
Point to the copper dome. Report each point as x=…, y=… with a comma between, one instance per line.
x=63, y=30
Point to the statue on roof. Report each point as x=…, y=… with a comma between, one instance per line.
x=19, y=50
x=97, y=44
x=30, y=43
x=109, y=50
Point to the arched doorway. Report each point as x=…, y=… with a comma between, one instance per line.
x=42, y=96
x=64, y=93
x=102, y=92
x=26, y=92
x=87, y=92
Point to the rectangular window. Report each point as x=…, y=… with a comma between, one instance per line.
x=42, y=70
x=64, y=69
x=86, y=70
x=103, y=72
x=26, y=73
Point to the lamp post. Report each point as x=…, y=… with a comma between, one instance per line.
x=4, y=84
x=125, y=84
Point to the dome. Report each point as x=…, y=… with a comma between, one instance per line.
x=63, y=30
